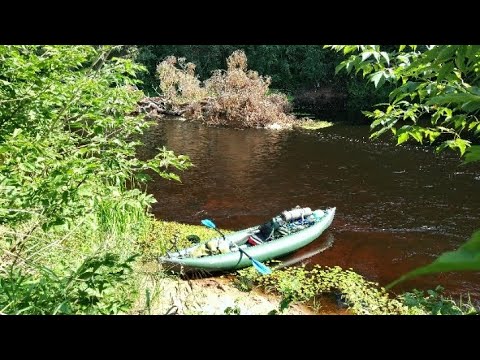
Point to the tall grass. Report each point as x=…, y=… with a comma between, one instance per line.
x=85, y=269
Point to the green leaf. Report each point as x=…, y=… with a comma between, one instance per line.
x=474, y=90
x=460, y=58
x=417, y=135
x=470, y=126
x=466, y=258
x=461, y=144
x=349, y=48
x=445, y=53
x=402, y=138
x=459, y=121
x=472, y=154
x=349, y=66
x=378, y=78
x=471, y=106
x=432, y=135
x=366, y=55
x=339, y=67
x=452, y=98
x=444, y=70
x=385, y=56
x=16, y=132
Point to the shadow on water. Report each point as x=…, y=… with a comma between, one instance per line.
x=398, y=207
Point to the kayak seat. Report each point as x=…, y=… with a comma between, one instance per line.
x=254, y=239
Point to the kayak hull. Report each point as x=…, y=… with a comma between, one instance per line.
x=234, y=260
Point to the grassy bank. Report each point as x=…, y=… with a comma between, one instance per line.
x=112, y=268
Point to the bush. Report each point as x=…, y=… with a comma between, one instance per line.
x=179, y=85
x=70, y=217
x=359, y=295
x=97, y=286
x=433, y=302
x=236, y=97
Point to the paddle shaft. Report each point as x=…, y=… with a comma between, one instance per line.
x=223, y=236
x=243, y=252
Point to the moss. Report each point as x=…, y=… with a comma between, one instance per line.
x=169, y=236
x=312, y=124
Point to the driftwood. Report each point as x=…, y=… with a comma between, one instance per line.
x=158, y=107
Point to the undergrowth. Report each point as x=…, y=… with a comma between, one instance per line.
x=71, y=215
x=362, y=297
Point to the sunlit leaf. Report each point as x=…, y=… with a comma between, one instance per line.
x=378, y=78
x=402, y=138
x=453, y=98
x=386, y=57
x=366, y=55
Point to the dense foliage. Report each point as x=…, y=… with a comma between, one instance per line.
x=436, y=96
x=70, y=212
x=73, y=216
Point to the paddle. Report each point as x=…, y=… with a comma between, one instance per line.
x=261, y=268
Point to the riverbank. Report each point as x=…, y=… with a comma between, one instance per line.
x=298, y=290
x=304, y=122
x=210, y=296
x=289, y=291
x=161, y=292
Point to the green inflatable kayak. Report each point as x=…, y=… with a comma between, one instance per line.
x=283, y=234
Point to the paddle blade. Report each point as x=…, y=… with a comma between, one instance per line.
x=261, y=268
x=208, y=223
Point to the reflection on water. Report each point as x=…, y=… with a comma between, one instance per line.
x=398, y=207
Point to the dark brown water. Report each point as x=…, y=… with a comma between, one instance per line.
x=398, y=207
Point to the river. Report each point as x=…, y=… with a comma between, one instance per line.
x=398, y=207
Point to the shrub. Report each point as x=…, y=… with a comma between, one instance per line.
x=359, y=295
x=236, y=97
x=70, y=217
x=433, y=302
x=179, y=85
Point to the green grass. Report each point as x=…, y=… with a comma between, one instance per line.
x=168, y=235
x=105, y=264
